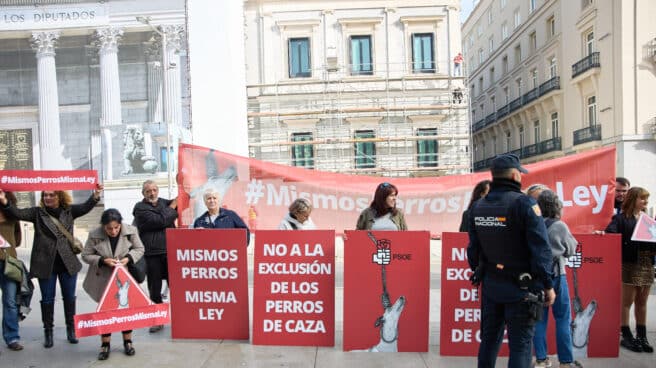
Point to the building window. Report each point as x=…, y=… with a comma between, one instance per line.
x=521, y=136
x=302, y=154
x=534, y=78
x=504, y=64
x=427, y=149
x=503, y=3
x=508, y=141
x=589, y=43
x=536, y=131
x=506, y=95
x=365, y=152
x=299, y=58
x=492, y=79
x=585, y=3
x=482, y=106
x=480, y=85
x=553, y=67
x=592, y=110
x=479, y=30
x=473, y=90
x=480, y=56
x=473, y=114
x=531, y=6
x=518, y=55
x=504, y=31
x=422, y=53
x=361, y=58
x=489, y=16
x=554, y=125
x=517, y=17
x=490, y=45
x=551, y=26
x=164, y=159
x=518, y=83
x=493, y=101
x=494, y=145
x=484, y=150
x=532, y=42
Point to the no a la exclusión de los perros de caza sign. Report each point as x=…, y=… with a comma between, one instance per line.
x=53, y=17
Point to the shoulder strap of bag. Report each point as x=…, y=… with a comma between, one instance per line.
x=293, y=225
x=61, y=228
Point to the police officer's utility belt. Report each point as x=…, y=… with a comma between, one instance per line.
x=506, y=273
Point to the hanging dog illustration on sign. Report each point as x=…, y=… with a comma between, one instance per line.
x=583, y=316
x=389, y=321
x=122, y=295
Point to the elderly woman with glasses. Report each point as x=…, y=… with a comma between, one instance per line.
x=52, y=258
x=298, y=217
x=382, y=213
x=219, y=218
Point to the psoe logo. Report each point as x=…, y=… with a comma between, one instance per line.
x=383, y=255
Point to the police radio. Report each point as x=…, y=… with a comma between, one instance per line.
x=524, y=280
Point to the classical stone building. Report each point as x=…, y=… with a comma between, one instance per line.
x=364, y=86
x=83, y=86
x=548, y=78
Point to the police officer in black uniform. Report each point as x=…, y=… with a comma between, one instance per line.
x=510, y=254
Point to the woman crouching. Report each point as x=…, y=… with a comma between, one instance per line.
x=112, y=244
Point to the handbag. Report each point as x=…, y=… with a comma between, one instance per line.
x=13, y=268
x=75, y=243
x=138, y=268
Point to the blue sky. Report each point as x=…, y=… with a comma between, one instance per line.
x=466, y=6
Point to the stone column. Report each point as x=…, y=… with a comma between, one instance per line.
x=154, y=65
x=52, y=157
x=110, y=92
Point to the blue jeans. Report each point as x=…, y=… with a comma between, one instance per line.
x=494, y=316
x=67, y=284
x=563, y=316
x=9, y=307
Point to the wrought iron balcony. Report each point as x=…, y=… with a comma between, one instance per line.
x=550, y=145
x=589, y=134
x=550, y=85
x=503, y=111
x=515, y=104
x=478, y=125
x=490, y=119
x=585, y=64
x=483, y=164
x=531, y=95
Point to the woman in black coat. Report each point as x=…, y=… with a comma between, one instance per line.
x=52, y=258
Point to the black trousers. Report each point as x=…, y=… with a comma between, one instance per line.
x=156, y=271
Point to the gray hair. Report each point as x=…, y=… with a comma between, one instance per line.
x=550, y=205
x=300, y=205
x=147, y=182
x=536, y=188
x=211, y=191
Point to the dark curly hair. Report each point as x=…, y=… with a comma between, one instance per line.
x=550, y=204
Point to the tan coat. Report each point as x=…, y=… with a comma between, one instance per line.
x=98, y=247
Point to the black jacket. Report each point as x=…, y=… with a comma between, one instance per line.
x=152, y=222
x=623, y=225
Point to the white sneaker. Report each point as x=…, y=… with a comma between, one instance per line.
x=546, y=363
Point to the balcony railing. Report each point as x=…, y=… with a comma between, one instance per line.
x=478, y=125
x=587, y=63
x=515, y=104
x=503, y=111
x=550, y=85
x=589, y=134
x=550, y=145
x=490, y=119
x=531, y=95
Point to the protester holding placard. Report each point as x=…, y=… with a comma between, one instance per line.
x=219, y=218
x=637, y=269
x=382, y=213
x=480, y=190
x=563, y=245
x=11, y=233
x=113, y=244
x=53, y=252
x=298, y=217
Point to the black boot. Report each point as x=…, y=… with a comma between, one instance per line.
x=628, y=341
x=641, y=339
x=69, y=313
x=47, y=317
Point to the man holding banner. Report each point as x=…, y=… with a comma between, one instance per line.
x=510, y=253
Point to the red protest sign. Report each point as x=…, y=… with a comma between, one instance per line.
x=294, y=288
x=123, y=306
x=386, y=290
x=645, y=229
x=208, y=283
x=595, y=309
x=35, y=180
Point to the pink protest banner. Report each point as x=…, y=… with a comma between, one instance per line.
x=593, y=276
x=36, y=180
x=123, y=306
x=260, y=191
x=294, y=288
x=645, y=229
x=386, y=291
x=208, y=283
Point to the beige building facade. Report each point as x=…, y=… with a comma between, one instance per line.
x=548, y=78
x=363, y=87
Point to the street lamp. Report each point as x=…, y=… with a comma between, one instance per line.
x=165, y=88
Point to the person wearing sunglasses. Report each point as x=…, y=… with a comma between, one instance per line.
x=382, y=213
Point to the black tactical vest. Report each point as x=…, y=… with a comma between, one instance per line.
x=498, y=229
